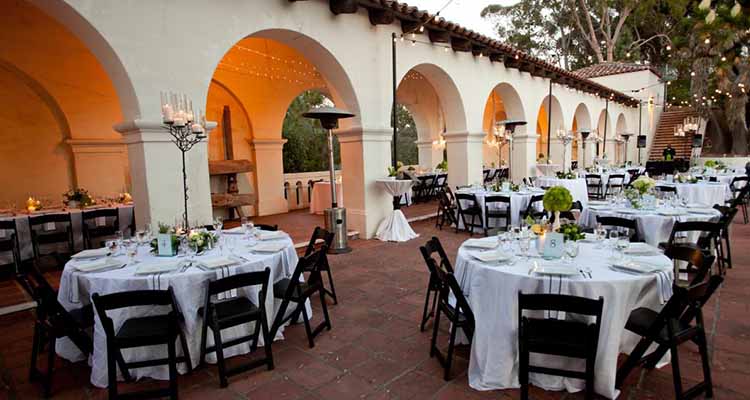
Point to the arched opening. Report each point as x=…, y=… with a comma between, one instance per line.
x=64, y=111
x=581, y=122
x=621, y=145
x=258, y=93
x=502, y=103
x=605, y=138
x=408, y=152
x=549, y=121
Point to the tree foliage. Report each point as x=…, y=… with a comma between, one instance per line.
x=407, y=137
x=306, y=149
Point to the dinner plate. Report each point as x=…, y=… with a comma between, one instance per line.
x=234, y=231
x=638, y=248
x=481, y=244
x=216, y=262
x=270, y=235
x=635, y=267
x=158, y=267
x=268, y=247
x=555, y=270
x=598, y=203
x=491, y=256
x=91, y=253
x=705, y=211
x=98, y=265
x=628, y=211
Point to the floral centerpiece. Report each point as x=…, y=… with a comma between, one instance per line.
x=165, y=229
x=715, y=165
x=498, y=186
x=566, y=175
x=571, y=232
x=557, y=199
x=638, y=189
x=686, y=179
x=33, y=204
x=201, y=240
x=124, y=198
x=78, y=197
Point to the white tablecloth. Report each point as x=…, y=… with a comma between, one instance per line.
x=708, y=193
x=519, y=201
x=653, y=227
x=492, y=292
x=320, y=198
x=606, y=174
x=547, y=169
x=24, y=230
x=395, y=227
x=577, y=187
x=189, y=287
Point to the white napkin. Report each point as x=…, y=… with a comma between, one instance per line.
x=91, y=253
x=491, y=256
x=481, y=243
x=157, y=267
x=271, y=247
x=637, y=267
x=698, y=205
x=234, y=231
x=270, y=235
x=638, y=248
x=672, y=213
x=216, y=262
x=97, y=265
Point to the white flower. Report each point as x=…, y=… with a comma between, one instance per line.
x=704, y=5
x=736, y=9
x=711, y=16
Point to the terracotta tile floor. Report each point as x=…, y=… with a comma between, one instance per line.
x=375, y=350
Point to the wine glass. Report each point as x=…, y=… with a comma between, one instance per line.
x=112, y=246
x=524, y=244
x=622, y=244
x=613, y=236
x=131, y=250
x=140, y=236
x=247, y=225
x=504, y=240
x=600, y=233
x=516, y=232
x=571, y=249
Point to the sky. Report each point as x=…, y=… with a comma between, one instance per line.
x=462, y=12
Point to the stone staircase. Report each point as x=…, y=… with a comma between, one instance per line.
x=665, y=134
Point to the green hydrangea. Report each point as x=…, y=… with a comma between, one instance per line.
x=557, y=198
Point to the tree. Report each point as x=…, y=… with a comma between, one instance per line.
x=306, y=149
x=407, y=137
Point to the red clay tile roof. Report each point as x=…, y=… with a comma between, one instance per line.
x=613, y=68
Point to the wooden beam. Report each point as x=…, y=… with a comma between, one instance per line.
x=439, y=36
x=232, y=200
x=409, y=26
x=459, y=44
x=379, y=16
x=344, y=6
x=478, y=49
x=497, y=57
x=527, y=67
x=226, y=167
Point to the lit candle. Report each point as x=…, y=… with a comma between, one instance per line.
x=197, y=128
x=166, y=113
x=179, y=121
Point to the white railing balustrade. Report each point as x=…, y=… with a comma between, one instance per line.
x=298, y=187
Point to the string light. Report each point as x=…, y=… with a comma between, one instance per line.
x=669, y=48
x=707, y=41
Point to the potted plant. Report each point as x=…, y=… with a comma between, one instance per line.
x=557, y=199
x=571, y=232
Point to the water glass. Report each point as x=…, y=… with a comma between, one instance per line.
x=600, y=233
x=505, y=241
x=247, y=226
x=524, y=244
x=131, y=249
x=218, y=224
x=571, y=249
x=622, y=244
x=112, y=246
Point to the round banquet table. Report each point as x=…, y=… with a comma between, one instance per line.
x=519, y=201
x=577, y=187
x=395, y=227
x=708, y=193
x=654, y=226
x=320, y=198
x=189, y=288
x=492, y=292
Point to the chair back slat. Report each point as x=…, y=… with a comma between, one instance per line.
x=433, y=246
x=37, y=220
x=256, y=278
x=560, y=302
x=102, y=212
x=133, y=298
x=322, y=234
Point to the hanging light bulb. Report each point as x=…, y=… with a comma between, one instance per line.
x=735, y=9
x=707, y=41
x=669, y=48
x=723, y=59
x=692, y=73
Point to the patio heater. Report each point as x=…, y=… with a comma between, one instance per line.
x=626, y=136
x=584, y=135
x=510, y=129
x=335, y=217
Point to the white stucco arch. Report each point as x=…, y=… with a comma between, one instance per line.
x=582, y=117
x=449, y=97
x=507, y=104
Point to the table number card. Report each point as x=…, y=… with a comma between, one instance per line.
x=553, y=246
x=164, y=245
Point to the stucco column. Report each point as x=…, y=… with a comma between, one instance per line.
x=589, y=151
x=101, y=165
x=365, y=157
x=524, y=156
x=464, y=157
x=269, y=166
x=156, y=175
x=429, y=154
x=556, y=153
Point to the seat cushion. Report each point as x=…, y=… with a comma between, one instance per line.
x=236, y=311
x=560, y=337
x=142, y=331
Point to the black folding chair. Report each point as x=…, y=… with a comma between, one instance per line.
x=265, y=227
x=432, y=247
x=664, y=189
x=469, y=208
x=220, y=315
x=532, y=210
x=566, y=338
x=9, y=242
x=680, y=321
x=446, y=210
x=630, y=225
x=98, y=224
x=459, y=315
x=727, y=216
x=739, y=187
x=693, y=262
x=709, y=235
x=487, y=176
x=423, y=189
x=615, y=184
x=291, y=290
x=327, y=239
x=152, y=330
x=52, y=321
x=595, y=186
x=496, y=207
x=51, y=230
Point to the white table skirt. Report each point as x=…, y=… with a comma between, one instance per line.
x=519, y=201
x=189, y=288
x=24, y=230
x=320, y=198
x=653, y=228
x=708, y=193
x=577, y=187
x=395, y=227
x=492, y=292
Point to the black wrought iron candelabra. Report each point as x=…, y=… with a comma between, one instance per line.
x=184, y=137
